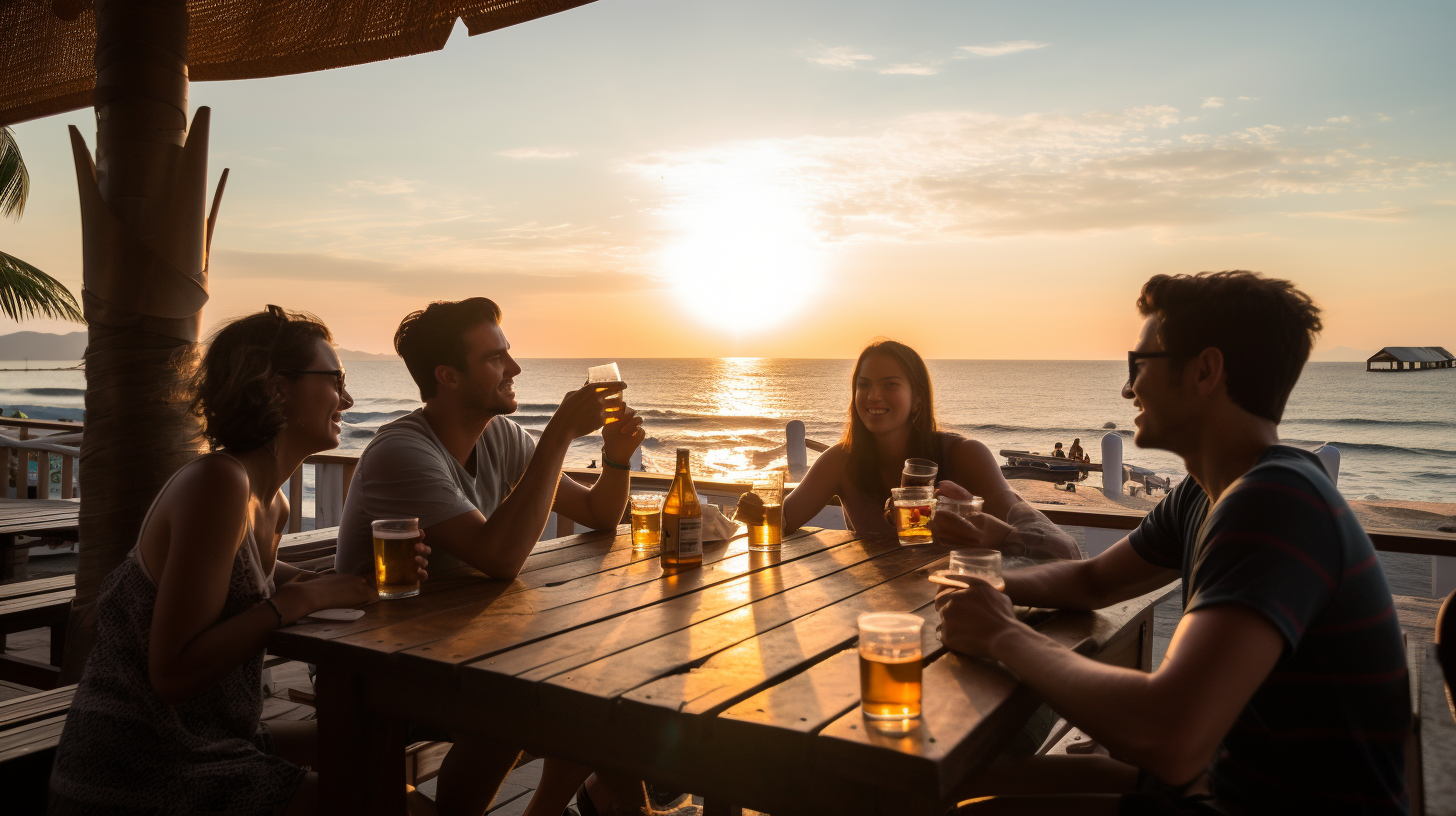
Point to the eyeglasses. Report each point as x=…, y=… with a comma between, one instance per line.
x=1134, y=356
x=337, y=374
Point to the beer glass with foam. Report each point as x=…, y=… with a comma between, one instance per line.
x=395, y=573
x=889, y=665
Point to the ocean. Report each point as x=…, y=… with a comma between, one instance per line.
x=1396, y=431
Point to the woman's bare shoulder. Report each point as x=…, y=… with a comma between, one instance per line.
x=215, y=481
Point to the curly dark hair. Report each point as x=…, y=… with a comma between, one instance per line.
x=435, y=336
x=228, y=387
x=1264, y=327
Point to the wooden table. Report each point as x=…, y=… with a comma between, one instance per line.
x=732, y=680
x=59, y=518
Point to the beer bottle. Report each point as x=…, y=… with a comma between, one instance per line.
x=682, y=520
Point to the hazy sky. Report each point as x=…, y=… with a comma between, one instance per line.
x=981, y=180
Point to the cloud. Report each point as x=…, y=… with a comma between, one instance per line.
x=913, y=68
x=1445, y=202
x=1212, y=102
x=1003, y=48
x=415, y=278
x=537, y=153
x=388, y=188
x=965, y=174
x=840, y=57
x=1338, y=119
x=1383, y=118
x=1378, y=214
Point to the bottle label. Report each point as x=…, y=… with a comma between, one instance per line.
x=690, y=536
x=682, y=536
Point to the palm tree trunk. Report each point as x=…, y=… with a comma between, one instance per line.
x=144, y=238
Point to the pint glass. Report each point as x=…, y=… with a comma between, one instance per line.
x=919, y=473
x=395, y=572
x=646, y=521
x=914, y=508
x=770, y=534
x=889, y=665
x=976, y=563
x=608, y=373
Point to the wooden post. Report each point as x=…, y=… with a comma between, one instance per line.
x=328, y=495
x=68, y=475
x=43, y=475
x=295, y=501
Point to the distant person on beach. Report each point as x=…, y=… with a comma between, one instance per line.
x=1058, y=452
x=166, y=717
x=1075, y=453
x=891, y=419
x=1285, y=687
x=483, y=490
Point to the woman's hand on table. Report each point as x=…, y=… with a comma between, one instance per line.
x=299, y=599
x=972, y=619
x=980, y=530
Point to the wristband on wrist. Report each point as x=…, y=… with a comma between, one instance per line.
x=609, y=463
x=276, y=611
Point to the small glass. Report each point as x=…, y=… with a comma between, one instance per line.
x=608, y=373
x=768, y=535
x=914, y=508
x=889, y=665
x=646, y=521
x=965, y=508
x=919, y=473
x=395, y=572
x=984, y=565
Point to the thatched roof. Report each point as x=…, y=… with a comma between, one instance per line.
x=47, y=46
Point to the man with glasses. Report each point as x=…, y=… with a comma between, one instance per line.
x=1284, y=689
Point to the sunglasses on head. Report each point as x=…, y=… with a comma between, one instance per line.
x=1134, y=356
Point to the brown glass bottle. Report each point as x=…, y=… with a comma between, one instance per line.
x=682, y=520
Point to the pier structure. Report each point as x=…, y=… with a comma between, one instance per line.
x=1411, y=358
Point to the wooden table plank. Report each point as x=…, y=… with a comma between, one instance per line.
x=442, y=641
x=34, y=707
x=1438, y=740
x=36, y=586
x=30, y=738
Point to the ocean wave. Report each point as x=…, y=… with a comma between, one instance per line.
x=1086, y=433
x=372, y=417
x=1362, y=422
x=1371, y=447
x=46, y=412
x=48, y=392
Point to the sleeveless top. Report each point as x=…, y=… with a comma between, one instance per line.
x=125, y=751
x=866, y=514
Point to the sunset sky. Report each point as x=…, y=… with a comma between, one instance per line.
x=644, y=178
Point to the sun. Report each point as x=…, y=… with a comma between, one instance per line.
x=744, y=255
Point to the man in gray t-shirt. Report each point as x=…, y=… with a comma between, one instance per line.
x=483, y=490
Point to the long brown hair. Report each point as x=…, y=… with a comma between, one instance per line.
x=864, y=455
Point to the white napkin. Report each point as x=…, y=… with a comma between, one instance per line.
x=717, y=526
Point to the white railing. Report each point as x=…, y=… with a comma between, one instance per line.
x=54, y=448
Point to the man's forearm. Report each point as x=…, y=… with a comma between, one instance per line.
x=1121, y=708
x=1058, y=585
x=1033, y=535
x=607, y=499
x=513, y=529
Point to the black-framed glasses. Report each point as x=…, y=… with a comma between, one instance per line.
x=336, y=373
x=1134, y=356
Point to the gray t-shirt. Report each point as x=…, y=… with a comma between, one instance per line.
x=405, y=472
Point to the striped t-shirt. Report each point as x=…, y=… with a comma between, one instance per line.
x=1325, y=733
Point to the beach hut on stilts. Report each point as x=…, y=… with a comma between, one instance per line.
x=1411, y=358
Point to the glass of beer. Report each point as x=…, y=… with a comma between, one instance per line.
x=982, y=564
x=646, y=521
x=608, y=373
x=889, y=665
x=395, y=572
x=965, y=508
x=919, y=473
x=770, y=533
x=914, y=508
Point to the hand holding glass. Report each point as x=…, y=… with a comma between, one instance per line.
x=608, y=373
x=980, y=564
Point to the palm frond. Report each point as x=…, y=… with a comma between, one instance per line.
x=27, y=292
x=14, y=179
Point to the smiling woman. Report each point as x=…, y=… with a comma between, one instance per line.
x=745, y=256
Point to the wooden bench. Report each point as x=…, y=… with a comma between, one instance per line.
x=30, y=729
x=40, y=604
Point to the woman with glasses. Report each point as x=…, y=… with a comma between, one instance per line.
x=167, y=716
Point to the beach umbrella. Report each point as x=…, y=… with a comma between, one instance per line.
x=145, y=220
